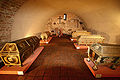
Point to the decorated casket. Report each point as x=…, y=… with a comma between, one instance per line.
x=105, y=55
x=90, y=39
x=80, y=33
x=16, y=52
x=45, y=35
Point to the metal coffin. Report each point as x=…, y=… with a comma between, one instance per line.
x=16, y=52
x=90, y=39
x=104, y=54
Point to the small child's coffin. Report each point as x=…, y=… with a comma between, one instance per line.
x=45, y=37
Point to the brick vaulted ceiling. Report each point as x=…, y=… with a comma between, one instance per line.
x=101, y=16
x=8, y=9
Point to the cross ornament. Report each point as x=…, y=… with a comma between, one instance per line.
x=60, y=19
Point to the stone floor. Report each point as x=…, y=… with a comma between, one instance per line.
x=58, y=61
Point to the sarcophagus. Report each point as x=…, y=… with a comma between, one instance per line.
x=45, y=35
x=90, y=39
x=80, y=33
x=104, y=54
x=16, y=52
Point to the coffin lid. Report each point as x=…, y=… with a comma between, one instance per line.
x=104, y=49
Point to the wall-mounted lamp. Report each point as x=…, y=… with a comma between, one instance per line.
x=65, y=16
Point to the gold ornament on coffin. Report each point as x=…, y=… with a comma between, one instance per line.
x=16, y=52
x=11, y=59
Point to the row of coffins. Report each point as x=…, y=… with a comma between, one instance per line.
x=46, y=36
x=16, y=52
x=100, y=54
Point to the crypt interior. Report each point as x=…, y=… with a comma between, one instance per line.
x=59, y=59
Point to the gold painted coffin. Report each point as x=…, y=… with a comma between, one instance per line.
x=16, y=52
x=104, y=54
x=80, y=33
x=90, y=39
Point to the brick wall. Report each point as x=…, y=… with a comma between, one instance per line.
x=8, y=9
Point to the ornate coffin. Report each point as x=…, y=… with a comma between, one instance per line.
x=80, y=33
x=90, y=39
x=16, y=52
x=104, y=54
x=45, y=35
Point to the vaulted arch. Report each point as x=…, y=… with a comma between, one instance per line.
x=101, y=16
